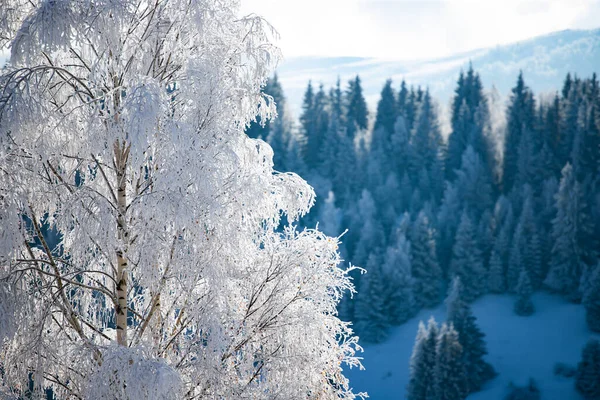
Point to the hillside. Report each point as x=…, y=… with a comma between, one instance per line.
x=545, y=60
x=519, y=348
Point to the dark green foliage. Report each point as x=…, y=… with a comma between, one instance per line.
x=467, y=260
x=426, y=271
x=422, y=383
x=370, y=314
x=587, y=379
x=387, y=111
x=519, y=128
x=470, y=336
x=357, y=112
x=524, y=306
x=451, y=376
x=470, y=122
x=591, y=300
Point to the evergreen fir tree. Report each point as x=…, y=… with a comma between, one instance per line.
x=448, y=220
x=401, y=150
x=496, y=277
x=524, y=306
x=474, y=183
x=520, y=123
x=399, y=296
x=587, y=379
x=591, y=300
x=426, y=271
x=370, y=313
x=357, y=112
x=403, y=94
x=422, y=383
x=470, y=122
x=369, y=226
x=316, y=129
x=451, y=379
x=425, y=137
x=467, y=260
x=387, y=112
x=570, y=229
x=471, y=338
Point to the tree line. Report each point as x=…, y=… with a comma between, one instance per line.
x=514, y=212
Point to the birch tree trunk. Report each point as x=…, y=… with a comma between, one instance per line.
x=121, y=151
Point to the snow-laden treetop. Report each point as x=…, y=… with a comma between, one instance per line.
x=122, y=128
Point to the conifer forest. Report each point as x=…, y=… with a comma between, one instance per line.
x=172, y=228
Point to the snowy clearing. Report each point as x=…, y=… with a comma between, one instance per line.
x=519, y=348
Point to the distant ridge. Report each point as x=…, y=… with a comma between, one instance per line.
x=545, y=60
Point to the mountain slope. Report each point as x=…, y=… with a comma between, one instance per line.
x=545, y=60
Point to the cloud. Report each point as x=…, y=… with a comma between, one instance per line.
x=415, y=29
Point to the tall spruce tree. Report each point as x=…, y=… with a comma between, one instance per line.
x=591, y=300
x=471, y=338
x=469, y=122
x=422, y=382
x=451, y=375
x=387, y=112
x=570, y=230
x=399, y=297
x=520, y=117
x=426, y=138
x=524, y=306
x=370, y=313
x=474, y=183
x=467, y=260
x=587, y=378
x=356, y=112
x=426, y=270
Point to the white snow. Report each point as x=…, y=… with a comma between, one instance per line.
x=519, y=348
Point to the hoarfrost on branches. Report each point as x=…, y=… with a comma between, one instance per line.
x=122, y=129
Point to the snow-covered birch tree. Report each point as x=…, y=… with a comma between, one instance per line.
x=122, y=128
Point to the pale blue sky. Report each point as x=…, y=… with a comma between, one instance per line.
x=415, y=29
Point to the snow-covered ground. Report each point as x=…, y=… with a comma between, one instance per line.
x=519, y=348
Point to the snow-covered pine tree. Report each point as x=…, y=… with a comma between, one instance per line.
x=401, y=151
x=451, y=379
x=474, y=183
x=571, y=225
x=471, y=338
x=422, y=383
x=371, y=234
x=470, y=122
x=370, y=313
x=122, y=126
x=524, y=306
x=316, y=127
x=357, y=112
x=591, y=300
x=426, y=271
x=399, y=296
x=467, y=260
x=387, y=113
x=520, y=122
x=425, y=136
x=448, y=219
x=587, y=379
x=496, y=275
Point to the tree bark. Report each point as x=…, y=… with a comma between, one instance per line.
x=121, y=151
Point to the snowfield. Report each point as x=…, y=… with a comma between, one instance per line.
x=519, y=348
